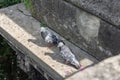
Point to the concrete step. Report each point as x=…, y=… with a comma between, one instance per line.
x=21, y=30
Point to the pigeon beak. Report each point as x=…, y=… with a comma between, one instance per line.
x=77, y=66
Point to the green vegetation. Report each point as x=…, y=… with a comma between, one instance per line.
x=8, y=61
x=6, y=3
x=43, y=24
x=9, y=69
x=28, y=4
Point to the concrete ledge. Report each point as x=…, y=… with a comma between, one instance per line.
x=21, y=30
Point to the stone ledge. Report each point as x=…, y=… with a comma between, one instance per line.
x=108, y=69
x=21, y=30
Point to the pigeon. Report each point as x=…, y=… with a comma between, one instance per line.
x=49, y=37
x=68, y=55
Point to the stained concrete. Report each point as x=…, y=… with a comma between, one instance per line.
x=92, y=34
x=22, y=31
x=108, y=10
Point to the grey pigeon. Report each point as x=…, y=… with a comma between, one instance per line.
x=49, y=37
x=68, y=55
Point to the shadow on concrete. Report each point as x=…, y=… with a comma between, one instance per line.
x=26, y=51
x=31, y=26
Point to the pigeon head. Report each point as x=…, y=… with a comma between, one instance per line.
x=60, y=44
x=42, y=29
x=75, y=63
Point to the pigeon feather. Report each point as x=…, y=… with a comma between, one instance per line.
x=49, y=37
x=68, y=55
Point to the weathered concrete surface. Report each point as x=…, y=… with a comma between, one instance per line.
x=109, y=10
x=90, y=33
x=21, y=30
x=108, y=69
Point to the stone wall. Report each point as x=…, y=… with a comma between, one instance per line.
x=84, y=29
x=106, y=70
x=108, y=10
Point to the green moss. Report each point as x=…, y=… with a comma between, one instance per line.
x=43, y=24
x=28, y=4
